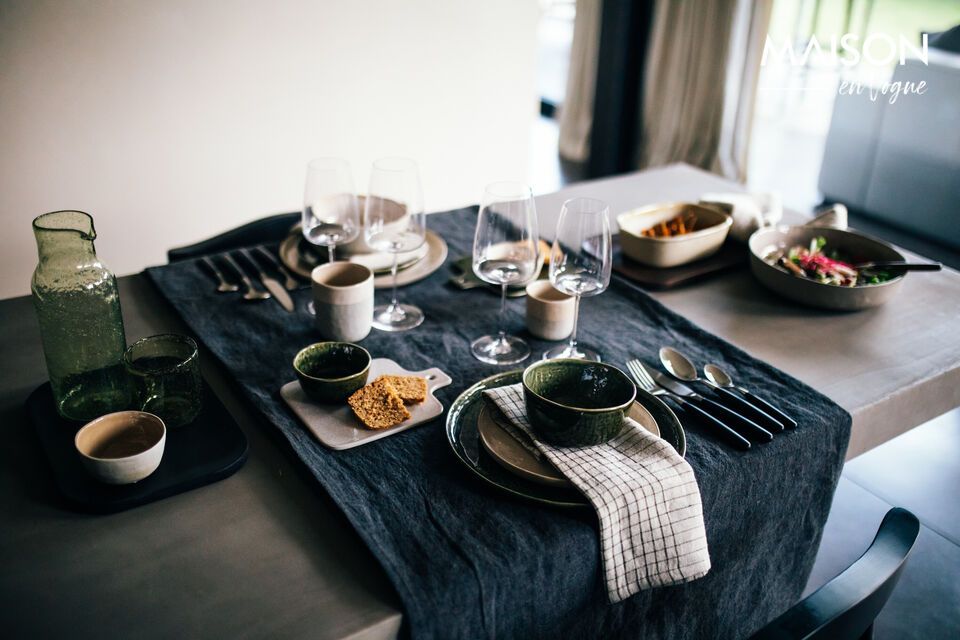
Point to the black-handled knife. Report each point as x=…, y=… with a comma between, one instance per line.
x=744, y=426
x=727, y=434
x=769, y=408
x=749, y=410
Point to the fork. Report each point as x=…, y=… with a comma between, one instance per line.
x=646, y=382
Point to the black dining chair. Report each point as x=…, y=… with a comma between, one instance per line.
x=845, y=607
x=270, y=230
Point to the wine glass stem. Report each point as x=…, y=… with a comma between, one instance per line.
x=503, y=312
x=330, y=248
x=576, y=318
x=393, y=272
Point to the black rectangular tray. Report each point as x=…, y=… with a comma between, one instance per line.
x=730, y=256
x=209, y=449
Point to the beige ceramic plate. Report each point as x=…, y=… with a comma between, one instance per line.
x=416, y=270
x=335, y=425
x=513, y=457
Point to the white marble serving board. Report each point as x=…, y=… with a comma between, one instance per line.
x=335, y=426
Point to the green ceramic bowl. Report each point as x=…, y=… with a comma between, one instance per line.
x=330, y=371
x=574, y=403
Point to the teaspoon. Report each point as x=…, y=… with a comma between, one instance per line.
x=720, y=377
x=758, y=422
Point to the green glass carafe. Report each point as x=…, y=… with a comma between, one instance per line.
x=78, y=307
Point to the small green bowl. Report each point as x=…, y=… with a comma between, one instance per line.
x=330, y=371
x=575, y=403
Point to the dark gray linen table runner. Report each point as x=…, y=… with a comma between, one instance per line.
x=470, y=562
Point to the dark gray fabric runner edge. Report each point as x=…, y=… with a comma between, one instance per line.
x=469, y=562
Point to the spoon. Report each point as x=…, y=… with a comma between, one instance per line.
x=223, y=286
x=681, y=368
x=722, y=379
x=250, y=293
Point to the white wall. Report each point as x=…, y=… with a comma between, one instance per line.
x=172, y=120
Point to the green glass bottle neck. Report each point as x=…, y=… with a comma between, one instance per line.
x=65, y=236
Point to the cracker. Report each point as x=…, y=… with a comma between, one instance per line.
x=411, y=389
x=378, y=405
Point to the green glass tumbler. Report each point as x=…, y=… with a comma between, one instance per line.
x=165, y=370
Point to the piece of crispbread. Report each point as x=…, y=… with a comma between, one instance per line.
x=411, y=389
x=378, y=405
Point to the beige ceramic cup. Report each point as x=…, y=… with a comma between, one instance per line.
x=550, y=313
x=343, y=299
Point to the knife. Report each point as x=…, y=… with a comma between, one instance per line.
x=744, y=426
x=270, y=284
x=291, y=284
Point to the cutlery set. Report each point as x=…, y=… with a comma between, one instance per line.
x=737, y=416
x=272, y=287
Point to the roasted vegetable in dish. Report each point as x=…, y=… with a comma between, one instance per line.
x=827, y=267
x=676, y=226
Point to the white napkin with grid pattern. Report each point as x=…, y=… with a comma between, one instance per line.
x=645, y=496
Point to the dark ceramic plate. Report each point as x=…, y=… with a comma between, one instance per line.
x=465, y=441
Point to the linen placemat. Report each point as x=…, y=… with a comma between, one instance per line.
x=468, y=561
x=645, y=496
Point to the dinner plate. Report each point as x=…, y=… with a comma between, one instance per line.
x=519, y=460
x=335, y=425
x=464, y=438
x=415, y=269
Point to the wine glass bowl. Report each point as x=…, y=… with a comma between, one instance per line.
x=581, y=259
x=331, y=211
x=394, y=222
x=505, y=252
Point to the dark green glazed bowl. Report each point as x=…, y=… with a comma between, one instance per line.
x=330, y=371
x=574, y=403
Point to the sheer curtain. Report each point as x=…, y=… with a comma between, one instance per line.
x=698, y=86
x=576, y=112
x=702, y=70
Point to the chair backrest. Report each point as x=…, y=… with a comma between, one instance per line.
x=846, y=607
x=269, y=230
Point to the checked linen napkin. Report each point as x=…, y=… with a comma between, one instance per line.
x=645, y=496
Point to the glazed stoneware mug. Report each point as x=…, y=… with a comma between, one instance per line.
x=550, y=313
x=343, y=299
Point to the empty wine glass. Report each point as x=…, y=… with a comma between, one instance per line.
x=394, y=222
x=505, y=253
x=331, y=212
x=580, y=262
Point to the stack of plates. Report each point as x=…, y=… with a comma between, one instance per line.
x=301, y=257
x=500, y=460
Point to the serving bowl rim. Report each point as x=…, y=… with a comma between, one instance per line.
x=610, y=367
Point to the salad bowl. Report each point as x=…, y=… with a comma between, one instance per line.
x=768, y=244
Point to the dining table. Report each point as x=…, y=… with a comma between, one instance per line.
x=270, y=552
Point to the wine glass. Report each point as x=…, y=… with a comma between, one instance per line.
x=505, y=253
x=394, y=222
x=580, y=262
x=331, y=212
